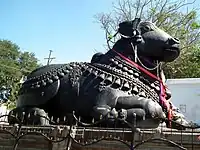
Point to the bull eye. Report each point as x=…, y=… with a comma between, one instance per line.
x=146, y=28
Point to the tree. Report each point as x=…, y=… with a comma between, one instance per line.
x=14, y=65
x=174, y=17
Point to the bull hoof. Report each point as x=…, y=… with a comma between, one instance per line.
x=28, y=116
x=154, y=110
x=101, y=111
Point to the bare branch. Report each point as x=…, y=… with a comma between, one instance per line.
x=137, y=8
x=142, y=7
x=163, y=6
x=188, y=45
x=121, y=9
x=170, y=15
x=155, y=7
x=179, y=23
x=161, y=12
x=129, y=9
x=180, y=5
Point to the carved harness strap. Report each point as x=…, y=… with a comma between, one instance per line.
x=163, y=102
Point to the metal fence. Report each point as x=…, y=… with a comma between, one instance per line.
x=79, y=135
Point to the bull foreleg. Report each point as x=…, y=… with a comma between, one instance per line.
x=139, y=105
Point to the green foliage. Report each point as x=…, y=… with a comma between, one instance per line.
x=172, y=17
x=14, y=64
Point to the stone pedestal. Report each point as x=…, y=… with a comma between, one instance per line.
x=62, y=145
x=67, y=142
x=187, y=139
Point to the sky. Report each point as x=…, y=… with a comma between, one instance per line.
x=68, y=27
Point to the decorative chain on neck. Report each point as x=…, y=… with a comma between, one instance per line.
x=137, y=58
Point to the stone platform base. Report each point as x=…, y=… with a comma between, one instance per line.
x=55, y=138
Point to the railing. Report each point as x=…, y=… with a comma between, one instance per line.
x=80, y=135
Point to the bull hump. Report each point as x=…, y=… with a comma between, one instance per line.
x=45, y=76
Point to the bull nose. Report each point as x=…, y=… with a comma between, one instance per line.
x=173, y=41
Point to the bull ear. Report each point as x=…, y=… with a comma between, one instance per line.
x=136, y=22
x=126, y=28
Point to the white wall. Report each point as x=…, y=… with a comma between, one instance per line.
x=186, y=92
x=3, y=111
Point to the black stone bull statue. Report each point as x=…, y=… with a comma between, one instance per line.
x=123, y=83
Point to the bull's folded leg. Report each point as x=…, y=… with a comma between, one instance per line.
x=152, y=109
x=105, y=102
x=28, y=116
x=136, y=117
x=15, y=116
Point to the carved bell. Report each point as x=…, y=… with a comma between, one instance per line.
x=102, y=76
x=142, y=94
x=157, y=88
x=153, y=85
x=118, y=81
x=126, y=85
x=135, y=89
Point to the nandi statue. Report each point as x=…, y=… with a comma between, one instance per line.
x=124, y=83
